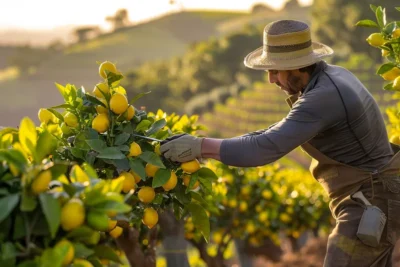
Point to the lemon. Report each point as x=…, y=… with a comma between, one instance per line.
x=171, y=183
x=71, y=120
x=71, y=251
x=190, y=166
x=111, y=224
x=245, y=190
x=129, y=182
x=385, y=53
x=157, y=149
x=146, y=194
x=106, y=65
x=45, y=116
x=150, y=217
x=263, y=217
x=396, y=83
x=391, y=74
x=41, y=182
x=150, y=170
x=267, y=194
x=285, y=218
x=217, y=237
x=130, y=112
x=243, y=206
x=81, y=263
x=116, y=232
x=101, y=123
x=93, y=239
x=65, y=129
x=396, y=33
x=376, y=39
x=101, y=89
x=136, y=176
x=97, y=220
x=134, y=150
x=118, y=103
x=232, y=203
x=100, y=109
x=186, y=181
x=72, y=214
x=395, y=139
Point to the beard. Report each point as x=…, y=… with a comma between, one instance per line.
x=293, y=85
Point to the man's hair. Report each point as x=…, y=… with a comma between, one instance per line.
x=309, y=69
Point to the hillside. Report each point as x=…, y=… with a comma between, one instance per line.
x=159, y=39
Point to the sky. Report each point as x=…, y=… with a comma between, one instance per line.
x=50, y=14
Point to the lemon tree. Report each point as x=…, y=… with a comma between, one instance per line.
x=53, y=212
x=103, y=129
x=389, y=44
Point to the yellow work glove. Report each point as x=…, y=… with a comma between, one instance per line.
x=181, y=148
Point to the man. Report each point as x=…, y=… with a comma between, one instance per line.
x=337, y=122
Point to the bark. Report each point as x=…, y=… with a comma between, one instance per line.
x=216, y=261
x=129, y=243
x=268, y=250
x=174, y=241
x=244, y=258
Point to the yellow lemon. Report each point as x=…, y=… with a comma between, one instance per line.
x=151, y=170
x=146, y=194
x=129, y=182
x=100, y=109
x=41, y=182
x=243, y=206
x=396, y=83
x=101, y=89
x=217, y=237
x=150, y=217
x=190, y=166
x=130, y=112
x=232, y=203
x=245, y=190
x=111, y=224
x=106, y=66
x=134, y=150
x=186, y=181
x=376, y=39
x=71, y=120
x=45, y=116
x=171, y=183
x=65, y=129
x=82, y=263
x=396, y=33
x=71, y=251
x=116, y=232
x=391, y=74
x=101, y=123
x=395, y=139
x=385, y=53
x=97, y=220
x=157, y=149
x=136, y=176
x=72, y=214
x=267, y=194
x=263, y=217
x=118, y=103
x=285, y=218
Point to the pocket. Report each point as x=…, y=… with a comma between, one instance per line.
x=393, y=222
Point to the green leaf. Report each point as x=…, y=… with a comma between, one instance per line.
x=52, y=211
x=380, y=16
x=94, y=100
x=7, y=205
x=81, y=251
x=112, y=205
x=57, y=114
x=143, y=125
x=152, y=158
x=96, y=144
x=206, y=185
x=28, y=263
x=199, y=198
x=121, y=138
x=83, y=232
x=397, y=8
x=111, y=153
x=64, y=106
x=155, y=127
x=121, y=164
x=389, y=28
x=89, y=170
x=389, y=87
x=78, y=153
x=28, y=136
x=28, y=202
x=385, y=68
x=46, y=144
x=138, y=96
x=137, y=166
x=193, y=179
x=181, y=196
x=367, y=23
x=373, y=8
x=53, y=257
x=105, y=252
x=8, y=254
x=161, y=177
x=158, y=199
x=207, y=173
x=200, y=219
x=62, y=91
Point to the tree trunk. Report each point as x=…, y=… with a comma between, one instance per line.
x=268, y=250
x=217, y=261
x=174, y=241
x=244, y=258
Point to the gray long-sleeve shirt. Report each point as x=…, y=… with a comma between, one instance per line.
x=335, y=113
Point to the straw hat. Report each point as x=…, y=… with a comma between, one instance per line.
x=287, y=46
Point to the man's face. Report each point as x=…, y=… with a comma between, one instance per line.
x=290, y=81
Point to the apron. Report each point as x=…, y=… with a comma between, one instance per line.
x=381, y=188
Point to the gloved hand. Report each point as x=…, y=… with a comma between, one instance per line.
x=182, y=148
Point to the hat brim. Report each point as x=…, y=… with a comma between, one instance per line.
x=261, y=61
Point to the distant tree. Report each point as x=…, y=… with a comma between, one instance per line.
x=291, y=4
x=260, y=8
x=86, y=32
x=333, y=23
x=119, y=20
x=56, y=45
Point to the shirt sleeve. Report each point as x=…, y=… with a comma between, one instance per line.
x=309, y=116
